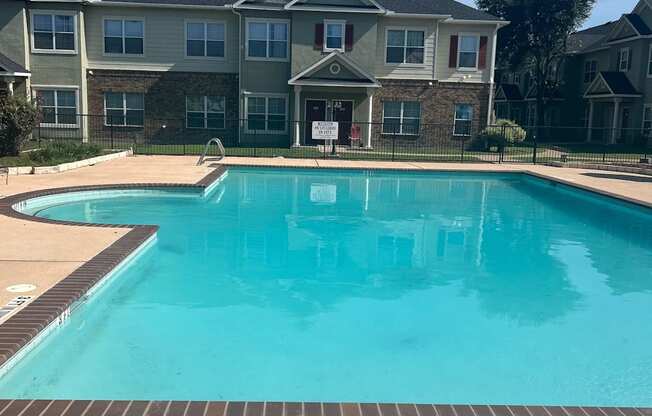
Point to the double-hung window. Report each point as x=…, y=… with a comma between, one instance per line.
x=205, y=39
x=205, y=112
x=401, y=117
x=124, y=109
x=590, y=71
x=463, y=120
x=124, y=36
x=58, y=107
x=53, y=33
x=624, y=59
x=405, y=46
x=266, y=114
x=267, y=40
x=647, y=120
x=467, y=51
x=334, y=32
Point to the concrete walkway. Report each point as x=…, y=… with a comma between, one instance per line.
x=42, y=254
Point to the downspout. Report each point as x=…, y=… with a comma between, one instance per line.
x=491, y=77
x=240, y=48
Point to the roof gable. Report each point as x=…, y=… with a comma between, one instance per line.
x=508, y=92
x=10, y=67
x=335, y=69
x=611, y=84
x=350, y=5
x=628, y=27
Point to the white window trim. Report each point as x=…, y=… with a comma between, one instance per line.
x=205, y=22
x=37, y=88
x=477, y=52
x=124, y=109
x=334, y=22
x=266, y=96
x=406, y=29
x=206, y=112
x=400, y=133
x=588, y=64
x=54, y=51
x=620, y=59
x=645, y=107
x=267, y=21
x=123, y=18
x=455, y=119
x=649, y=62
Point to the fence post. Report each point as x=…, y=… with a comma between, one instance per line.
x=393, y=145
x=111, y=129
x=534, y=150
x=462, y=148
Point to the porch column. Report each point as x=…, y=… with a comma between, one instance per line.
x=10, y=87
x=590, y=121
x=297, y=116
x=370, y=118
x=614, y=124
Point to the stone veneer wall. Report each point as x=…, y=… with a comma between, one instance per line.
x=437, y=109
x=165, y=105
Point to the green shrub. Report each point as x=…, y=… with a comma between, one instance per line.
x=18, y=117
x=62, y=152
x=502, y=133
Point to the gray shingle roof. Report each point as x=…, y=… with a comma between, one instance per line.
x=619, y=83
x=7, y=65
x=180, y=2
x=454, y=8
x=638, y=23
x=512, y=92
x=447, y=7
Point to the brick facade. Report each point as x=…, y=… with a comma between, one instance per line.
x=165, y=104
x=438, y=102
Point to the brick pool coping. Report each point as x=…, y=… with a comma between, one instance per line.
x=202, y=408
x=54, y=305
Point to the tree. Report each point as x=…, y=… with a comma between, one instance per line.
x=536, y=38
x=18, y=117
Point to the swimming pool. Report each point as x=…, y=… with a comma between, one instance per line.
x=324, y=285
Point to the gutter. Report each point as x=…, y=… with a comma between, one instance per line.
x=156, y=5
x=240, y=52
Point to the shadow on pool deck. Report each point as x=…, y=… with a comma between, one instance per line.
x=621, y=177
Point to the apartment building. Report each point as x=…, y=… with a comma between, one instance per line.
x=379, y=67
x=606, y=83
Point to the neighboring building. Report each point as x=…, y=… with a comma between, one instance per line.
x=192, y=68
x=607, y=83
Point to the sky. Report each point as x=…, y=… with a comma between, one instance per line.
x=603, y=11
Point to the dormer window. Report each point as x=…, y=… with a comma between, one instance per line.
x=334, y=35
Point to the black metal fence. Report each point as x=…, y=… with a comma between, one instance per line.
x=407, y=141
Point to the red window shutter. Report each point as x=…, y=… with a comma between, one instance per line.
x=319, y=36
x=482, y=58
x=452, y=57
x=348, y=38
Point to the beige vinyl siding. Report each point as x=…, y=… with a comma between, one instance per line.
x=446, y=74
x=12, y=31
x=53, y=68
x=164, y=42
x=304, y=54
x=406, y=71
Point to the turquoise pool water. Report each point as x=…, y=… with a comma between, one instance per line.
x=353, y=286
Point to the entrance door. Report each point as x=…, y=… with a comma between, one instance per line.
x=625, y=124
x=343, y=114
x=315, y=111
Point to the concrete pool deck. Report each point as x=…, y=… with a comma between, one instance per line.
x=64, y=261
x=42, y=254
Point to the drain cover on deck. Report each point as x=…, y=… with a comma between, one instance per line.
x=22, y=288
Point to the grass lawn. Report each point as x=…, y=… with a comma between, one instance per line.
x=53, y=154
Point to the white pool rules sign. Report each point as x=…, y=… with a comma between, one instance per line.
x=324, y=130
